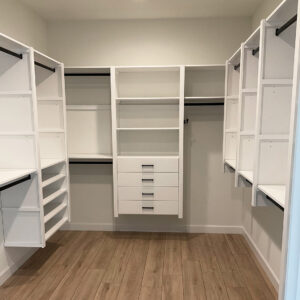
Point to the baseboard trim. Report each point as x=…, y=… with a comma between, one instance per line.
x=127, y=227
x=262, y=261
x=10, y=270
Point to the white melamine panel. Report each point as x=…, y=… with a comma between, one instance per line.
x=22, y=228
x=147, y=116
x=147, y=164
x=14, y=73
x=148, y=193
x=250, y=70
x=55, y=223
x=50, y=115
x=248, y=111
x=204, y=82
x=276, y=109
x=17, y=152
x=147, y=179
x=87, y=90
x=156, y=143
x=52, y=145
x=24, y=195
x=233, y=81
x=272, y=163
x=246, y=153
x=152, y=82
x=48, y=84
x=16, y=114
x=279, y=56
x=230, y=146
x=231, y=114
x=89, y=131
x=148, y=207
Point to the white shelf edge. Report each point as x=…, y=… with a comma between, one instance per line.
x=14, y=175
x=273, y=137
x=54, y=212
x=247, y=133
x=231, y=130
x=89, y=156
x=16, y=93
x=55, y=228
x=149, y=129
x=54, y=196
x=248, y=175
x=203, y=97
x=249, y=91
x=50, y=98
x=146, y=98
x=233, y=97
x=49, y=162
x=275, y=192
x=53, y=179
x=231, y=163
x=89, y=107
x=277, y=82
x=22, y=209
x=29, y=133
x=51, y=130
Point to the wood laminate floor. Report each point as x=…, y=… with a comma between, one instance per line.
x=128, y=266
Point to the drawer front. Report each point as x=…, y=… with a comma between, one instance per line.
x=147, y=164
x=148, y=193
x=148, y=179
x=148, y=207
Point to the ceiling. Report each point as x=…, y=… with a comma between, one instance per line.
x=140, y=9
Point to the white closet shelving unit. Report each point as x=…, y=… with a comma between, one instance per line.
x=247, y=110
x=24, y=131
x=147, y=130
x=50, y=94
x=89, y=113
x=204, y=84
x=232, y=91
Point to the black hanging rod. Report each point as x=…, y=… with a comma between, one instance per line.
x=20, y=56
x=79, y=162
x=44, y=66
x=7, y=186
x=254, y=51
x=286, y=25
x=274, y=202
x=236, y=67
x=87, y=74
x=204, y=104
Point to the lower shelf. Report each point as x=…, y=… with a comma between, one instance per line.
x=248, y=175
x=52, y=210
x=49, y=162
x=275, y=192
x=55, y=227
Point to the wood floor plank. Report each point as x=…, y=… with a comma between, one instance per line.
x=152, y=278
x=107, y=291
x=132, y=280
x=214, y=286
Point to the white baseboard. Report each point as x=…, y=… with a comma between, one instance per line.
x=262, y=261
x=10, y=270
x=143, y=228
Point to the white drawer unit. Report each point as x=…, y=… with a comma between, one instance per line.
x=148, y=193
x=154, y=179
x=148, y=207
x=147, y=164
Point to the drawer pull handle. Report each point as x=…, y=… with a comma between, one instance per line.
x=149, y=166
x=147, y=207
x=147, y=179
x=147, y=194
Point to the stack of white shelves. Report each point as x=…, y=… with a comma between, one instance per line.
x=147, y=136
x=89, y=113
x=51, y=106
x=232, y=88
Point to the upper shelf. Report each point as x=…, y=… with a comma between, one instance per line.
x=275, y=192
x=10, y=175
x=49, y=162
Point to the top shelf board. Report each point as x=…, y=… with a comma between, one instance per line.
x=12, y=44
x=147, y=69
x=87, y=70
x=10, y=175
x=205, y=68
x=45, y=60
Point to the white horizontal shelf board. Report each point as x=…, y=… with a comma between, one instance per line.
x=53, y=130
x=11, y=175
x=274, y=137
x=277, y=81
x=15, y=93
x=252, y=91
x=24, y=209
x=89, y=156
x=231, y=130
x=52, y=179
x=275, y=192
x=55, y=228
x=55, y=98
x=213, y=67
x=247, y=133
x=203, y=97
x=146, y=98
x=142, y=69
x=152, y=128
x=247, y=175
x=53, y=196
x=54, y=212
x=17, y=133
x=232, y=97
x=148, y=156
x=49, y=162
x=89, y=107
x=231, y=162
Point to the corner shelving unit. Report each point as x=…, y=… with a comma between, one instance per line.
x=51, y=107
x=232, y=88
x=247, y=110
x=147, y=129
x=88, y=113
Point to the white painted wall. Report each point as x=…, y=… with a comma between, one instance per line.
x=263, y=11
x=21, y=23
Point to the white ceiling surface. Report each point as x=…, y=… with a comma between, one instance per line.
x=141, y=9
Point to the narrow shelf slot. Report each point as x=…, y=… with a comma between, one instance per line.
x=54, y=196
x=55, y=227
x=50, y=178
x=54, y=210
